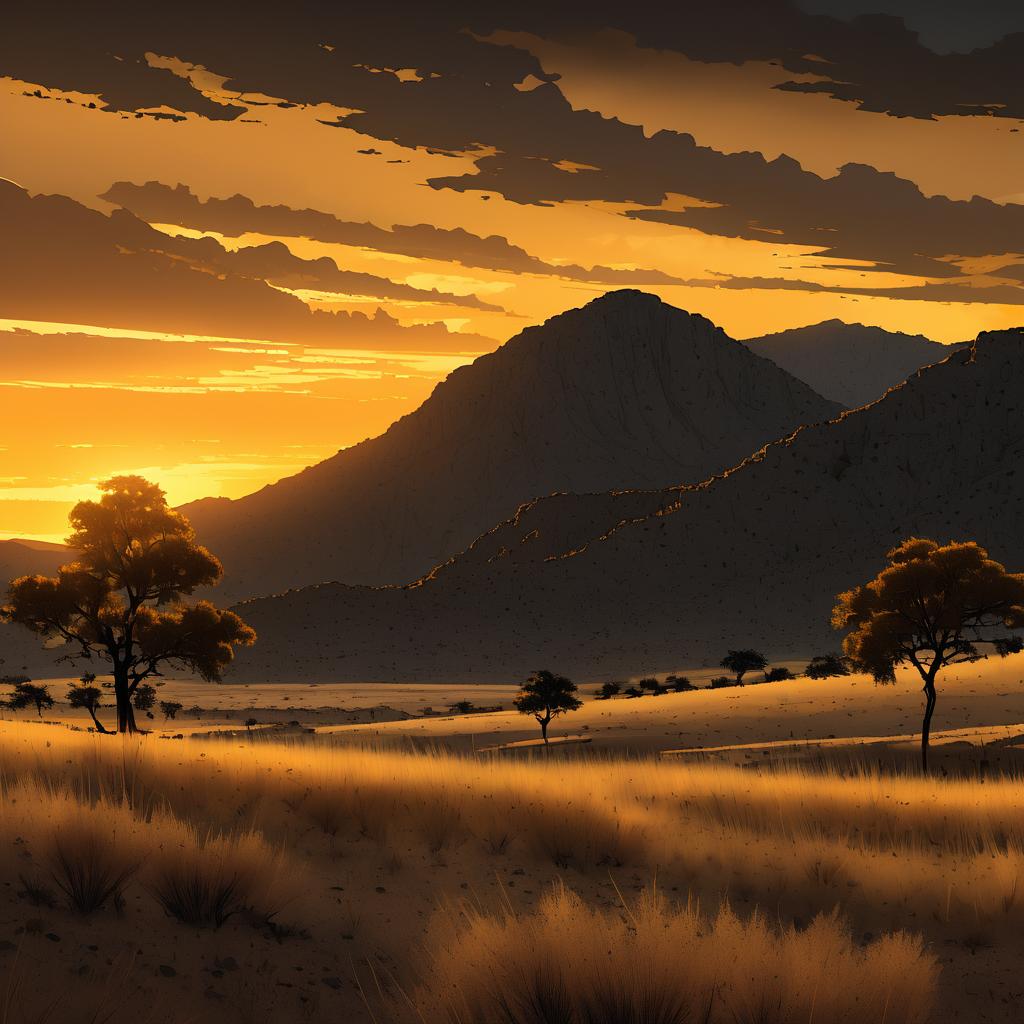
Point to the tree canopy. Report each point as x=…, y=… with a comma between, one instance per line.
x=933, y=605
x=742, y=662
x=546, y=695
x=121, y=600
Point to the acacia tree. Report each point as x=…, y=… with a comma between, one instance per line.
x=122, y=599
x=545, y=696
x=27, y=693
x=933, y=605
x=89, y=697
x=169, y=709
x=742, y=662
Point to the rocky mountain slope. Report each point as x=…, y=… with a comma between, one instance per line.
x=626, y=392
x=849, y=363
x=599, y=586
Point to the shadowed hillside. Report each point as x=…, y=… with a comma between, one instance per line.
x=849, y=363
x=606, y=585
x=625, y=392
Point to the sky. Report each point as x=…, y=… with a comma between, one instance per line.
x=233, y=245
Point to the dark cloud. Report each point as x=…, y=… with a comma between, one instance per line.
x=929, y=292
x=234, y=216
x=333, y=53
x=62, y=262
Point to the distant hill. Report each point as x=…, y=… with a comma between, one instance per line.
x=20, y=651
x=626, y=392
x=849, y=363
x=601, y=586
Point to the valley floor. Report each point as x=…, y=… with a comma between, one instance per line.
x=347, y=852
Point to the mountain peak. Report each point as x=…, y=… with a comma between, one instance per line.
x=625, y=392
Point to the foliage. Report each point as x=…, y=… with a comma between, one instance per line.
x=27, y=695
x=122, y=600
x=545, y=696
x=776, y=675
x=633, y=691
x=144, y=697
x=461, y=707
x=824, y=666
x=679, y=684
x=88, y=697
x=608, y=690
x=169, y=709
x=744, y=661
x=933, y=605
x=721, y=682
x=652, y=684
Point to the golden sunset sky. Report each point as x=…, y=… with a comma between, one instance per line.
x=231, y=249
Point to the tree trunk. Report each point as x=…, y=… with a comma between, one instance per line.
x=544, y=727
x=929, y=707
x=100, y=727
x=125, y=711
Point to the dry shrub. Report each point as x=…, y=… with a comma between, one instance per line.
x=90, y=851
x=204, y=880
x=656, y=964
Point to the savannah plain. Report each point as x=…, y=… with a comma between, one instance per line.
x=764, y=853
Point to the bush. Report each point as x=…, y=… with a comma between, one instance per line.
x=608, y=690
x=633, y=691
x=776, y=675
x=679, y=684
x=823, y=666
x=721, y=682
x=204, y=882
x=652, y=684
x=669, y=966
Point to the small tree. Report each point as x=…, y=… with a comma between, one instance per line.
x=461, y=707
x=122, y=599
x=742, y=662
x=144, y=697
x=652, y=685
x=933, y=605
x=249, y=723
x=169, y=709
x=89, y=697
x=633, y=692
x=680, y=684
x=545, y=696
x=722, y=682
x=28, y=694
x=776, y=675
x=608, y=690
x=824, y=666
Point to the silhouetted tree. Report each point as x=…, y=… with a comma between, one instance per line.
x=89, y=697
x=633, y=691
x=742, y=662
x=776, y=675
x=169, y=709
x=461, y=707
x=824, y=666
x=545, y=696
x=651, y=684
x=608, y=690
x=144, y=697
x=721, y=682
x=122, y=599
x=932, y=606
x=249, y=723
x=26, y=695
x=680, y=684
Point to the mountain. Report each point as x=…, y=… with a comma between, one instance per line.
x=626, y=392
x=601, y=586
x=849, y=363
x=20, y=651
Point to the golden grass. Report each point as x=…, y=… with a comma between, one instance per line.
x=206, y=828
x=652, y=963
